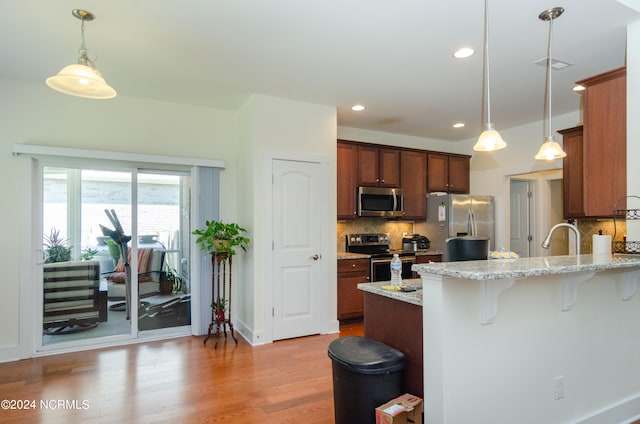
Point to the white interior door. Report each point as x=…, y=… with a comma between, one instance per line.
x=297, y=285
x=520, y=220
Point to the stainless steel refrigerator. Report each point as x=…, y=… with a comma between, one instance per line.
x=452, y=215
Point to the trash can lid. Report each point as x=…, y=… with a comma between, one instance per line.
x=365, y=356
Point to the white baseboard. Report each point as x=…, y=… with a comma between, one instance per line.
x=333, y=327
x=623, y=412
x=254, y=338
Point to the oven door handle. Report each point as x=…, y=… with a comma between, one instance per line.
x=380, y=261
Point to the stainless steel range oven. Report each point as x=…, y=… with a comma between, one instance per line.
x=377, y=245
x=381, y=266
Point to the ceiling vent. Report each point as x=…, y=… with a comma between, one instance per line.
x=555, y=63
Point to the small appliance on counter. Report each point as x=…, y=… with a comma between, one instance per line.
x=415, y=242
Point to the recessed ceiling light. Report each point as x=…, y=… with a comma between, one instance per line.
x=358, y=108
x=578, y=88
x=463, y=53
x=458, y=125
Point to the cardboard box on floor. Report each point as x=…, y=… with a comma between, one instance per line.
x=404, y=409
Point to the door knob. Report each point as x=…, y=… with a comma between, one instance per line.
x=315, y=257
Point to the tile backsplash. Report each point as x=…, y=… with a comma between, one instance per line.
x=396, y=230
x=589, y=227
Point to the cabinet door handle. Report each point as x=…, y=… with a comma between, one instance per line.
x=316, y=257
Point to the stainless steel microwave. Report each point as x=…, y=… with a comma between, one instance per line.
x=380, y=201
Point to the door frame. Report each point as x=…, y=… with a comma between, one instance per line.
x=326, y=228
x=30, y=327
x=541, y=204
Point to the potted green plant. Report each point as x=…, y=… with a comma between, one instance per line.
x=222, y=237
x=174, y=279
x=55, y=248
x=88, y=254
x=219, y=308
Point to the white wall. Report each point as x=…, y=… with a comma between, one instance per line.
x=269, y=127
x=399, y=140
x=34, y=114
x=489, y=170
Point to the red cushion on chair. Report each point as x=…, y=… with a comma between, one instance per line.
x=144, y=260
x=116, y=277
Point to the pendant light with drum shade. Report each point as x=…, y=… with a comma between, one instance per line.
x=82, y=79
x=550, y=149
x=490, y=139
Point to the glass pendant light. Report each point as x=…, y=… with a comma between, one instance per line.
x=550, y=149
x=82, y=79
x=490, y=139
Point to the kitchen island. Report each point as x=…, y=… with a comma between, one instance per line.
x=395, y=319
x=531, y=340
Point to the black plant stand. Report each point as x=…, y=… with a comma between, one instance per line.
x=219, y=317
x=121, y=240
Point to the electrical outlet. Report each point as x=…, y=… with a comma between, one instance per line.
x=558, y=387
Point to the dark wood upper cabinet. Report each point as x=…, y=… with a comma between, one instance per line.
x=572, y=173
x=595, y=168
x=459, y=174
x=378, y=166
x=413, y=180
x=449, y=173
x=415, y=171
x=347, y=179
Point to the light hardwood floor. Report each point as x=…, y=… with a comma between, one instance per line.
x=178, y=381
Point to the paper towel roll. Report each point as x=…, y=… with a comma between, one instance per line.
x=601, y=245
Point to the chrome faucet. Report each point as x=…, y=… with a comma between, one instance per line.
x=547, y=241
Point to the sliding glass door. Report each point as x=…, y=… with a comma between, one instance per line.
x=116, y=252
x=164, y=220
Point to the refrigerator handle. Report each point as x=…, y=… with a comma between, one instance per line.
x=472, y=224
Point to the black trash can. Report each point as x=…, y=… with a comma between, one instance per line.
x=366, y=374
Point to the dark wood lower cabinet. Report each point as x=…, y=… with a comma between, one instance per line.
x=398, y=324
x=351, y=272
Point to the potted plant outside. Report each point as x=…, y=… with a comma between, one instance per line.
x=222, y=238
x=88, y=254
x=55, y=248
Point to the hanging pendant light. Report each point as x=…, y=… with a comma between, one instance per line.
x=490, y=138
x=82, y=79
x=550, y=149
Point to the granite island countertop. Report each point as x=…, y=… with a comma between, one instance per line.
x=496, y=269
x=414, y=297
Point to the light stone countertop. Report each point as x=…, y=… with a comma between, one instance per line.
x=414, y=297
x=349, y=255
x=496, y=269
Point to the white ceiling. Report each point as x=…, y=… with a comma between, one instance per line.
x=393, y=56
